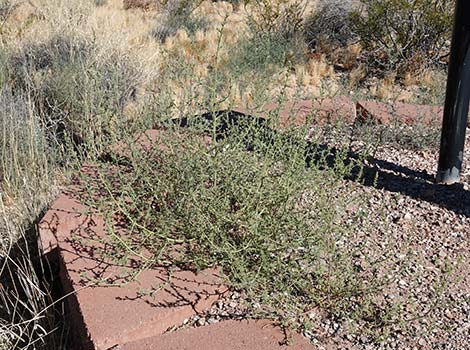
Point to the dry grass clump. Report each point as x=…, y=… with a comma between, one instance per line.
x=65, y=90
x=78, y=79
x=73, y=88
x=427, y=87
x=27, y=319
x=316, y=69
x=28, y=181
x=25, y=164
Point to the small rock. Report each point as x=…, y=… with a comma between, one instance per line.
x=448, y=314
x=212, y=320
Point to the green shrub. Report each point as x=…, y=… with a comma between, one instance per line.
x=178, y=14
x=100, y=2
x=329, y=25
x=274, y=37
x=403, y=35
x=263, y=49
x=280, y=17
x=262, y=216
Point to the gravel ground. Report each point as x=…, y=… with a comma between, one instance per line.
x=424, y=233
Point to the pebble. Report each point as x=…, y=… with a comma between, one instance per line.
x=212, y=320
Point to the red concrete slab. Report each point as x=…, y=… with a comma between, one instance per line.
x=63, y=215
x=398, y=112
x=336, y=109
x=106, y=309
x=152, y=138
x=227, y=335
x=306, y=112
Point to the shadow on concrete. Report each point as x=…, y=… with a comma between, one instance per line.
x=89, y=258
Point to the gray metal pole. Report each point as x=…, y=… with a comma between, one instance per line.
x=457, y=98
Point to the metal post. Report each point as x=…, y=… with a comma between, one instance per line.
x=457, y=98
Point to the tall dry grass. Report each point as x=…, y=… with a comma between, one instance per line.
x=66, y=85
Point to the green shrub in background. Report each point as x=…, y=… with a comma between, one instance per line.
x=283, y=17
x=274, y=37
x=100, y=2
x=178, y=14
x=263, y=49
x=403, y=35
x=329, y=25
